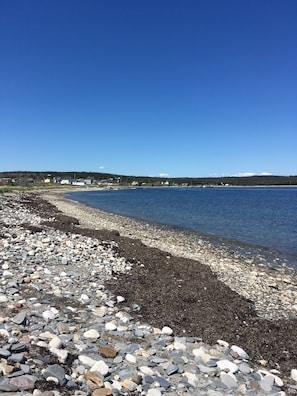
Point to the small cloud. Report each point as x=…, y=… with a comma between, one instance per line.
x=101, y=167
x=163, y=175
x=244, y=174
x=249, y=174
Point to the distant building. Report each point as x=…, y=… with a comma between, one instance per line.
x=66, y=181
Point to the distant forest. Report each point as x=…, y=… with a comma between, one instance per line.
x=97, y=178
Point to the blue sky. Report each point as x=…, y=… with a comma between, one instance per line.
x=149, y=87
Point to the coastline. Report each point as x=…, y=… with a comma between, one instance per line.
x=272, y=289
x=98, y=312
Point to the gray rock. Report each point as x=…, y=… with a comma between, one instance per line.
x=4, y=353
x=17, y=358
x=19, y=318
x=163, y=382
x=55, y=371
x=172, y=369
x=228, y=379
x=267, y=383
x=25, y=382
x=244, y=368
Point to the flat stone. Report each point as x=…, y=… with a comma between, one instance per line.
x=8, y=387
x=102, y=392
x=17, y=358
x=25, y=382
x=228, y=379
x=93, y=379
x=56, y=371
x=244, y=368
x=171, y=369
x=107, y=352
x=240, y=352
x=146, y=370
x=19, y=318
x=4, y=353
x=92, y=334
x=163, y=382
x=19, y=347
x=86, y=360
x=267, y=383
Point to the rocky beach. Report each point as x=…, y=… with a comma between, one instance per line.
x=98, y=304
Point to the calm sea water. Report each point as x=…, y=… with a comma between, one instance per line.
x=257, y=218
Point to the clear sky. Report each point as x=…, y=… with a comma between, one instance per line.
x=149, y=87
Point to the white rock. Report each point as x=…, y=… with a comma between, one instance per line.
x=146, y=370
x=223, y=343
x=52, y=379
x=120, y=299
x=226, y=365
x=198, y=352
x=116, y=385
x=154, y=392
x=42, y=344
x=46, y=335
x=101, y=311
x=101, y=367
x=191, y=378
x=123, y=316
x=61, y=354
x=55, y=342
x=86, y=360
x=167, y=330
x=179, y=346
x=84, y=298
x=131, y=358
x=110, y=326
x=240, y=352
x=294, y=374
x=48, y=315
x=3, y=298
x=92, y=334
x=7, y=274
x=279, y=382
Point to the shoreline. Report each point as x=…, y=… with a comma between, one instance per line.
x=267, y=285
x=111, y=315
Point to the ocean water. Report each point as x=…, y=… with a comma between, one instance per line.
x=263, y=220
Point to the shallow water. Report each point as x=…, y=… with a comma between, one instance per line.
x=250, y=220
